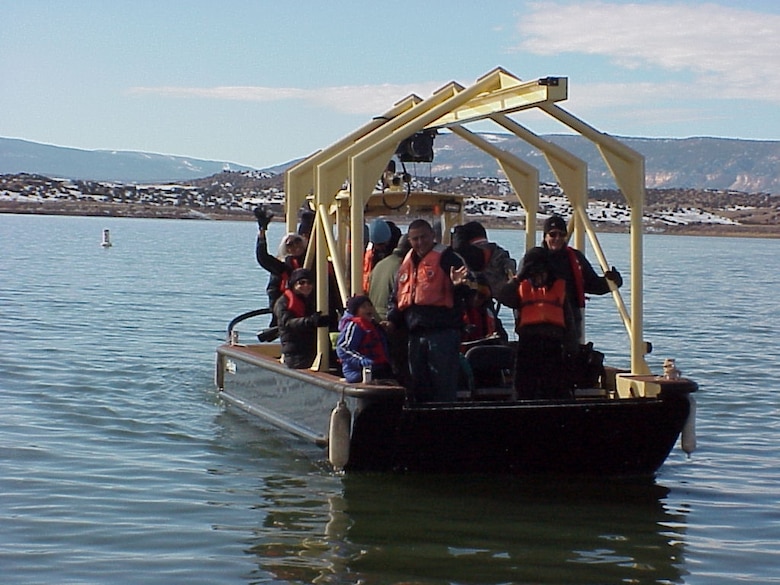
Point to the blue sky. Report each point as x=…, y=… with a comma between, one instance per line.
x=261, y=83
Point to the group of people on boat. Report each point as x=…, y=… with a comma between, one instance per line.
x=425, y=304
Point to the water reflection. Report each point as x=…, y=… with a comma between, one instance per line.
x=413, y=529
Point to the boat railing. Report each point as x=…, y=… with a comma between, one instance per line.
x=243, y=317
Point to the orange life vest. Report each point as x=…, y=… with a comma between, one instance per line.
x=543, y=304
x=368, y=266
x=425, y=284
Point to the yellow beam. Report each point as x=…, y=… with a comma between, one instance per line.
x=626, y=164
x=358, y=160
x=299, y=179
x=628, y=168
x=570, y=172
x=330, y=174
x=366, y=153
x=523, y=177
x=513, y=96
x=508, y=91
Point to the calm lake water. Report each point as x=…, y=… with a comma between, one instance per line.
x=119, y=464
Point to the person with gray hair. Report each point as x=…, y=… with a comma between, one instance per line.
x=291, y=254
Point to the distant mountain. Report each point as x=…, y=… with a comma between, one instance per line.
x=670, y=163
x=749, y=166
x=22, y=156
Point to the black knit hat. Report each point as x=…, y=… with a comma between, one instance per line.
x=535, y=261
x=299, y=274
x=354, y=303
x=463, y=234
x=555, y=222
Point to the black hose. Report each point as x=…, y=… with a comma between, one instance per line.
x=244, y=316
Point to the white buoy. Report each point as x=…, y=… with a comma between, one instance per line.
x=688, y=435
x=338, y=436
x=106, y=243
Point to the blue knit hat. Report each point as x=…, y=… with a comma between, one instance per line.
x=379, y=232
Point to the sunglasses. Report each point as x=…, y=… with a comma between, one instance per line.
x=556, y=234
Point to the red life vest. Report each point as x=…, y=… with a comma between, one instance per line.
x=285, y=277
x=425, y=284
x=579, y=279
x=543, y=304
x=371, y=344
x=483, y=321
x=295, y=304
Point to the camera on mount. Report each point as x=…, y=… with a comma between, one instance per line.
x=417, y=148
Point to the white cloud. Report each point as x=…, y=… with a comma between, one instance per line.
x=707, y=51
x=240, y=93
x=362, y=99
x=729, y=52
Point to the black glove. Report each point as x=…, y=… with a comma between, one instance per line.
x=263, y=216
x=311, y=320
x=317, y=320
x=614, y=276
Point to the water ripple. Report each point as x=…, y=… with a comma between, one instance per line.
x=121, y=464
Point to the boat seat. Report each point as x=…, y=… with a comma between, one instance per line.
x=492, y=367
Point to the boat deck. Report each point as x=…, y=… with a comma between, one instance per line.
x=615, y=383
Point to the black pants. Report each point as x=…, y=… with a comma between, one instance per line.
x=540, y=368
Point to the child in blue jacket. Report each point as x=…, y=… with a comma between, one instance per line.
x=362, y=343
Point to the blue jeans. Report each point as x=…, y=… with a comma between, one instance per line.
x=434, y=365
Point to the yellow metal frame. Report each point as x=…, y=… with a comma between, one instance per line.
x=338, y=182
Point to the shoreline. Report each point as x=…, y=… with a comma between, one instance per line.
x=145, y=211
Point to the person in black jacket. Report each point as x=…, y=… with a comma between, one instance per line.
x=298, y=321
x=292, y=252
x=571, y=265
x=483, y=256
x=429, y=299
x=543, y=319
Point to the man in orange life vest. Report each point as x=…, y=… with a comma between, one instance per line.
x=572, y=266
x=428, y=298
x=543, y=319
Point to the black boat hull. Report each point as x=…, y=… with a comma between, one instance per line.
x=582, y=436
